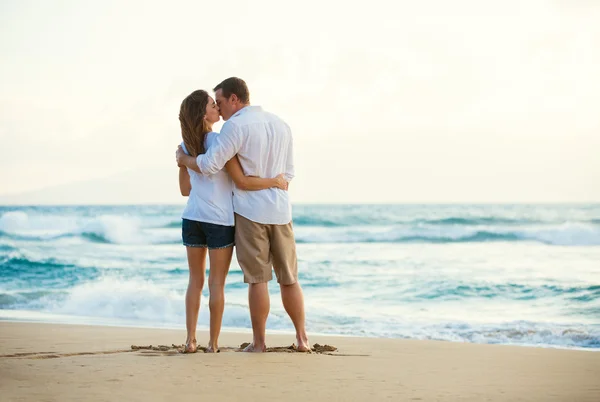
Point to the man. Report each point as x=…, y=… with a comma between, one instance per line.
x=263, y=229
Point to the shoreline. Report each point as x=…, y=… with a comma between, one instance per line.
x=245, y=331
x=50, y=362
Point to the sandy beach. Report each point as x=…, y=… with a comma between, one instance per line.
x=49, y=362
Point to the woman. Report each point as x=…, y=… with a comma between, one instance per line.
x=208, y=221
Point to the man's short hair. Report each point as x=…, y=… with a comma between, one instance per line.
x=235, y=86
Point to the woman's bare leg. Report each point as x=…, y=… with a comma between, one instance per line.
x=220, y=259
x=197, y=265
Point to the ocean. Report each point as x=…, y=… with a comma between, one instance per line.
x=498, y=274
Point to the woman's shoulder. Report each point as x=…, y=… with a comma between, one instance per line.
x=184, y=148
x=210, y=138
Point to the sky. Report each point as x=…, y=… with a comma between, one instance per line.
x=388, y=101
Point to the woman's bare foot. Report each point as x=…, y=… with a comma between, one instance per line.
x=191, y=346
x=254, y=349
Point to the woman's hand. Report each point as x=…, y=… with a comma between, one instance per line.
x=281, y=182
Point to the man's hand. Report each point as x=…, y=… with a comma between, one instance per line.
x=179, y=154
x=184, y=160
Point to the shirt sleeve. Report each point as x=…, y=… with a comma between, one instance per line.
x=184, y=148
x=289, y=164
x=227, y=144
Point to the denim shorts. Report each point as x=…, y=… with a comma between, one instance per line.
x=202, y=234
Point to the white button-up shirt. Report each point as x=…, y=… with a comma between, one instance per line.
x=263, y=143
x=211, y=197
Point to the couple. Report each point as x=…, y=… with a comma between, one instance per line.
x=255, y=148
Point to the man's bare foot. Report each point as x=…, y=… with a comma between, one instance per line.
x=253, y=349
x=303, y=345
x=212, y=349
x=191, y=346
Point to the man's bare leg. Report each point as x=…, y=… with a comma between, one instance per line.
x=260, y=304
x=293, y=302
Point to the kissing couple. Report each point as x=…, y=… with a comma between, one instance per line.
x=236, y=182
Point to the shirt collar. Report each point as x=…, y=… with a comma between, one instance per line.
x=245, y=109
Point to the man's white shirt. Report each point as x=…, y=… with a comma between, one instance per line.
x=264, y=145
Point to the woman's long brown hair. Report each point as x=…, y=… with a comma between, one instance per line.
x=193, y=126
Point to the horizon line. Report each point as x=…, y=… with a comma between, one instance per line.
x=321, y=203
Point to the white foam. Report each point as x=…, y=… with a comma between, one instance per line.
x=126, y=229
x=20, y=223
x=139, y=301
x=11, y=222
x=115, y=297
x=134, y=301
x=117, y=229
x=568, y=234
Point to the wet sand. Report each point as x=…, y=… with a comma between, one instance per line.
x=50, y=362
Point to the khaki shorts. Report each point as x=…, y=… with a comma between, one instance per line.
x=260, y=247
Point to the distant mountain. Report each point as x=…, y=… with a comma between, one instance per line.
x=149, y=186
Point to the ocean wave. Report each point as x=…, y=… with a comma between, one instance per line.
x=47, y=273
x=516, y=333
x=113, y=229
x=481, y=221
x=110, y=229
x=333, y=220
x=173, y=225
x=111, y=300
x=5, y=248
x=304, y=220
x=519, y=333
x=13, y=220
x=346, y=221
x=447, y=290
x=566, y=235
x=29, y=299
x=530, y=334
x=116, y=297
x=136, y=300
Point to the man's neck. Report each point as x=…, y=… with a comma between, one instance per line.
x=240, y=108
